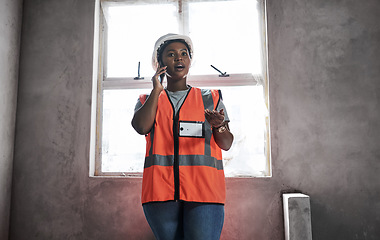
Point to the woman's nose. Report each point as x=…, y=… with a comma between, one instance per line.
x=178, y=58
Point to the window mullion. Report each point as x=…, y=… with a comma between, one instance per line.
x=244, y=79
x=104, y=29
x=101, y=75
x=183, y=13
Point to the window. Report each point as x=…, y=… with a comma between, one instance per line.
x=228, y=34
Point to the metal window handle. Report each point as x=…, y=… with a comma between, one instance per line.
x=138, y=73
x=222, y=74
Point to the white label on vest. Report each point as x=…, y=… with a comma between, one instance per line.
x=191, y=129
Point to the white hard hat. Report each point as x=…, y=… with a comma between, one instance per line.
x=167, y=37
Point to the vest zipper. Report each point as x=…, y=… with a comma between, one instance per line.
x=176, y=146
x=176, y=160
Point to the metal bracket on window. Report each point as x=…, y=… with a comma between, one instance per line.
x=138, y=73
x=222, y=74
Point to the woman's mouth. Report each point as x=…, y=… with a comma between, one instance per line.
x=179, y=67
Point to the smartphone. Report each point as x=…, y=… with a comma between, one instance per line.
x=162, y=75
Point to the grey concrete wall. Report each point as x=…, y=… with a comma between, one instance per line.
x=325, y=85
x=324, y=92
x=10, y=25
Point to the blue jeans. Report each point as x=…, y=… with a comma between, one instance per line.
x=185, y=220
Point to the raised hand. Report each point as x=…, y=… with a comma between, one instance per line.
x=157, y=84
x=215, y=118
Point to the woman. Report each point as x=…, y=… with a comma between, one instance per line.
x=183, y=190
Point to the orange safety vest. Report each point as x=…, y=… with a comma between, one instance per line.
x=184, y=168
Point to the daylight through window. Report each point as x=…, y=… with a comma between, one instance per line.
x=229, y=35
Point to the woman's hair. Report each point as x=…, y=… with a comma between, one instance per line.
x=161, y=49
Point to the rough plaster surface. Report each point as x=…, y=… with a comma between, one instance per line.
x=325, y=71
x=10, y=25
x=324, y=93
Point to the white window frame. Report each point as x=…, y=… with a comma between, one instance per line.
x=102, y=82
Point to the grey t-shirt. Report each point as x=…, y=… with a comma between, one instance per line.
x=177, y=99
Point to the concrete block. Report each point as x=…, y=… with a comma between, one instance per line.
x=297, y=216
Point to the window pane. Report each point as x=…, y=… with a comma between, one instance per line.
x=226, y=35
x=123, y=150
x=132, y=32
x=246, y=110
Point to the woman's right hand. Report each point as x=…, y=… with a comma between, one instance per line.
x=143, y=119
x=156, y=78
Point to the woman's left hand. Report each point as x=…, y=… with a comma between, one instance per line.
x=215, y=118
x=224, y=138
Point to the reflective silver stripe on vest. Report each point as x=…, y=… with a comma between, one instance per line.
x=184, y=160
x=208, y=103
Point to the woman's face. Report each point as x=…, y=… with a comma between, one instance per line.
x=177, y=59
